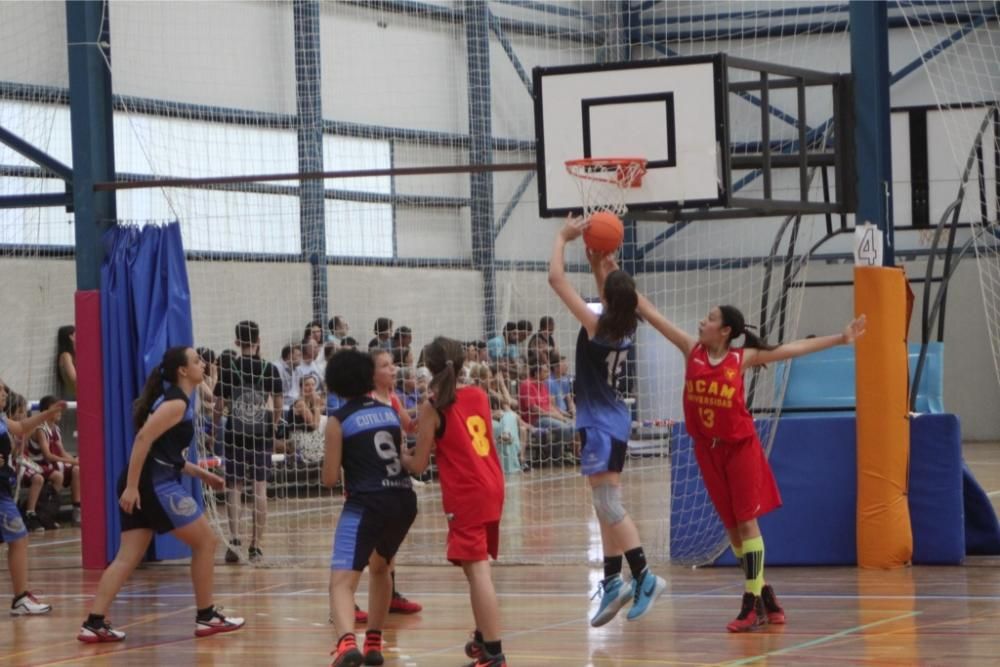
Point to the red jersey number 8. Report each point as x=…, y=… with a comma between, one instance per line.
x=476, y=426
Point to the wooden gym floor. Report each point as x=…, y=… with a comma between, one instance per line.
x=914, y=616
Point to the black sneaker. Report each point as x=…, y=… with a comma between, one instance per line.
x=751, y=614
x=254, y=553
x=775, y=614
x=32, y=523
x=231, y=555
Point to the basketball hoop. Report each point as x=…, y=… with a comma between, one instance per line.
x=602, y=181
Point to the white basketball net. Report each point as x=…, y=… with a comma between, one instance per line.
x=602, y=183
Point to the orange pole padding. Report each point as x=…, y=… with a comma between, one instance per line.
x=884, y=538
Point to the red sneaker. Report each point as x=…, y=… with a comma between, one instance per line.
x=751, y=614
x=489, y=661
x=373, y=649
x=360, y=615
x=775, y=614
x=347, y=654
x=401, y=605
x=474, y=648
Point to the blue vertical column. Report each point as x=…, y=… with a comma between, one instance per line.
x=873, y=149
x=88, y=35
x=477, y=40
x=91, y=123
x=309, y=108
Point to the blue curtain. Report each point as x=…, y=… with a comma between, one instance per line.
x=145, y=309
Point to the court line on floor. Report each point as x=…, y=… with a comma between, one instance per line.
x=818, y=641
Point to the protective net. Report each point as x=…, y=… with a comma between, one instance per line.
x=36, y=241
x=223, y=89
x=959, y=47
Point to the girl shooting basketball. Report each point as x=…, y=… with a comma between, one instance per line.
x=153, y=500
x=732, y=462
x=457, y=422
x=604, y=424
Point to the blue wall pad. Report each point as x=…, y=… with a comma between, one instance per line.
x=936, y=506
x=982, y=530
x=826, y=379
x=814, y=460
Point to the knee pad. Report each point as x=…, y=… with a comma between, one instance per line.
x=608, y=503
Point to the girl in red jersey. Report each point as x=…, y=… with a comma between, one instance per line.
x=732, y=462
x=457, y=422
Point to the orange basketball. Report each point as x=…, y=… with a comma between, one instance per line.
x=604, y=233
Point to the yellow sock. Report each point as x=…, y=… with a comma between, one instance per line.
x=738, y=552
x=753, y=557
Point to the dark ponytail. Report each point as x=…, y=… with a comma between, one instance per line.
x=733, y=318
x=173, y=360
x=619, y=319
x=444, y=358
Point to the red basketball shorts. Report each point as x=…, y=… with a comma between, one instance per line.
x=738, y=479
x=473, y=541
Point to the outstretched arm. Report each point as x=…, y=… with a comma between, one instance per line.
x=797, y=348
x=560, y=283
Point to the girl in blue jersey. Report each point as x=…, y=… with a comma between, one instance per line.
x=12, y=528
x=151, y=498
x=364, y=438
x=604, y=424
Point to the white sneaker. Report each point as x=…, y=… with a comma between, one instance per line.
x=218, y=623
x=417, y=483
x=77, y=516
x=29, y=605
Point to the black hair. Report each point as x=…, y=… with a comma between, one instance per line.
x=46, y=402
x=207, y=355
x=444, y=358
x=383, y=325
x=510, y=326
x=524, y=325
x=247, y=333
x=173, y=360
x=286, y=352
x=619, y=319
x=349, y=341
x=334, y=321
x=733, y=318
x=307, y=334
x=350, y=374
x=64, y=344
x=546, y=323
x=63, y=341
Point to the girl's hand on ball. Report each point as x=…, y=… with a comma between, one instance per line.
x=573, y=228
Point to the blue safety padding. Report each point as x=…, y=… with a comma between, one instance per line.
x=937, y=513
x=145, y=309
x=826, y=379
x=815, y=463
x=982, y=530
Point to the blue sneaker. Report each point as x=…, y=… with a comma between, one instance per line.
x=644, y=593
x=614, y=594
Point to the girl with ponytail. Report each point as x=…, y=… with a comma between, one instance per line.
x=604, y=424
x=153, y=500
x=729, y=454
x=457, y=422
